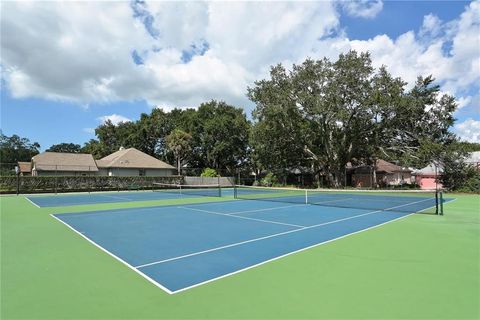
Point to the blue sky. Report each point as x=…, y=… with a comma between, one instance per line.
x=115, y=60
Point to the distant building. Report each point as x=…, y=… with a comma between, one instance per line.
x=387, y=174
x=63, y=164
x=132, y=162
x=427, y=178
x=24, y=168
x=125, y=162
x=474, y=159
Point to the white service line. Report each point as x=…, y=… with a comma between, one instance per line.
x=328, y=201
x=287, y=254
x=266, y=209
x=36, y=205
x=115, y=197
x=265, y=237
x=112, y=255
x=241, y=217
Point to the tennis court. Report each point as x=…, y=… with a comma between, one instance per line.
x=183, y=246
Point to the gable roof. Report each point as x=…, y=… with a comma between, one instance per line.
x=388, y=167
x=132, y=158
x=429, y=170
x=60, y=161
x=24, y=167
x=382, y=166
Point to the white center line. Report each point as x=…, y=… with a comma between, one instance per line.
x=241, y=217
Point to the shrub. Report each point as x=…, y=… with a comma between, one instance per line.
x=269, y=180
x=209, y=172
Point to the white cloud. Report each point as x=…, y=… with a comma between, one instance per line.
x=432, y=26
x=191, y=52
x=363, y=8
x=463, y=101
x=87, y=56
x=468, y=130
x=89, y=130
x=114, y=118
x=456, y=69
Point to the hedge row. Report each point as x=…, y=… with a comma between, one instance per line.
x=30, y=184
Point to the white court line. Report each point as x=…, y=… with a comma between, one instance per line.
x=333, y=201
x=265, y=237
x=266, y=209
x=115, y=197
x=241, y=217
x=36, y=205
x=287, y=254
x=116, y=257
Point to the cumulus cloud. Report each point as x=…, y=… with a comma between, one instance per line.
x=180, y=54
x=451, y=56
x=432, y=26
x=114, y=118
x=363, y=8
x=468, y=130
x=463, y=101
x=168, y=53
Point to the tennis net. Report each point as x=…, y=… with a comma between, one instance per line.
x=392, y=200
x=194, y=190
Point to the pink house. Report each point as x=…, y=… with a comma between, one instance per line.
x=427, y=177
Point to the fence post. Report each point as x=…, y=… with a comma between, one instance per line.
x=18, y=183
x=55, y=181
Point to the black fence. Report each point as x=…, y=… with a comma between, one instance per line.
x=60, y=184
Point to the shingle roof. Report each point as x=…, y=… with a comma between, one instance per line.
x=388, y=167
x=25, y=166
x=429, y=170
x=59, y=161
x=382, y=166
x=132, y=158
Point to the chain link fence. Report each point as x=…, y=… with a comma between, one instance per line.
x=59, y=179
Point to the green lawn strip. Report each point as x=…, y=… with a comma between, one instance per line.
x=419, y=267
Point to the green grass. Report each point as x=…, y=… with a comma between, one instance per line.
x=420, y=267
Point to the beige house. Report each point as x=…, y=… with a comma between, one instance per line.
x=132, y=162
x=125, y=162
x=63, y=164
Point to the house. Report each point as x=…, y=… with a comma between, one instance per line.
x=427, y=178
x=387, y=174
x=24, y=168
x=124, y=162
x=473, y=159
x=63, y=164
x=132, y=162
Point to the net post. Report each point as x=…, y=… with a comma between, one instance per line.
x=306, y=196
x=235, y=191
x=219, y=190
x=436, y=202
x=441, y=202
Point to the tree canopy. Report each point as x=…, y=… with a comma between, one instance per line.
x=328, y=113
x=15, y=148
x=65, y=147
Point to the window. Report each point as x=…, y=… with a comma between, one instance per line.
x=141, y=172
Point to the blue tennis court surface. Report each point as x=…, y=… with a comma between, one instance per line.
x=108, y=197
x=180, y=247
